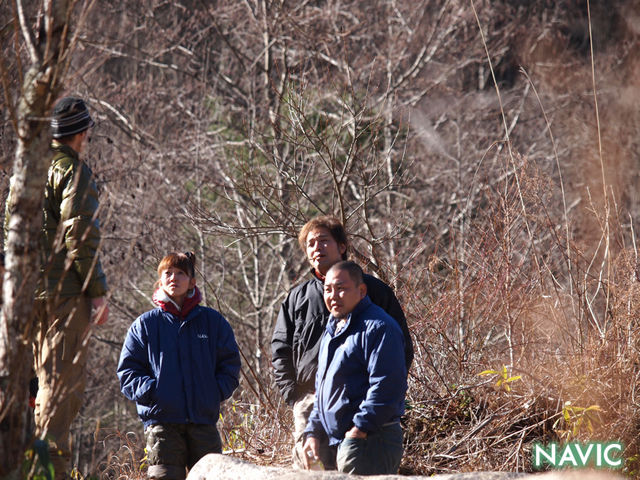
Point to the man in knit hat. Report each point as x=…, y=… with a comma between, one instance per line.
x=72, y=286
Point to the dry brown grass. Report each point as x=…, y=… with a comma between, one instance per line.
x=527, y=273
x=509, y=292
x=513, y=294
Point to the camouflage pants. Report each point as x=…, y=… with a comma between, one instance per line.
x=60, y=354
x=172, y=447
x=301, y=411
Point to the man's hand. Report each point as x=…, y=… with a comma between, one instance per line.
x=99, y=310
x=355, y=432
x=310, y=451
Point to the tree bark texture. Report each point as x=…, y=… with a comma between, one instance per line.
x=42, y=82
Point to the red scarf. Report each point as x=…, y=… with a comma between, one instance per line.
x=161, y=299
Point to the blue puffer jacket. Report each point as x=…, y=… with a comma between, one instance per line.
x=362, y=375
x=179, y=370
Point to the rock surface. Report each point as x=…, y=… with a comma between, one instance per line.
x=224, y=467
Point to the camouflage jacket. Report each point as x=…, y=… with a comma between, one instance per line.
x=71, y=231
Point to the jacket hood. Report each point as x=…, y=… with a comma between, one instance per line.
x=164, y=301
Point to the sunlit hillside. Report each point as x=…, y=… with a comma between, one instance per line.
x=483, y=156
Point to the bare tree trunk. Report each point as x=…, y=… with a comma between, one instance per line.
x=48, y=52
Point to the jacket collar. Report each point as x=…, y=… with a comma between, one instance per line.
x=62, y=148
x=164, y=301
x=362, y=306
x=317, y=276
x=355, y=313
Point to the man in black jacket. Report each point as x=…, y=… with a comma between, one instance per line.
x=302, y=320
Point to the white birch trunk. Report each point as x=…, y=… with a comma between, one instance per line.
x=41, y=84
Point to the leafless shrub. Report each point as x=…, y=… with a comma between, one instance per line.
x=506, y=228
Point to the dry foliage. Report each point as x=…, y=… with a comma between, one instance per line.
x=506, y=227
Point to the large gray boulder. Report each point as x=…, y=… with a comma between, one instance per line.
x=224, y=467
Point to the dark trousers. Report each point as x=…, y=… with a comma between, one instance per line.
x=378, y=454
x=171, y=448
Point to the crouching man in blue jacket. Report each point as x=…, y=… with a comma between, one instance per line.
x=361, y=380
x=178, y=362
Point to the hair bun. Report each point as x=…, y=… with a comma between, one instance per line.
x=191, y=257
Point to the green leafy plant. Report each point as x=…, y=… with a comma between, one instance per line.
x=503, y=378
x=144, y=460
x=37, y=464
x=575, y=420
x=235, y=433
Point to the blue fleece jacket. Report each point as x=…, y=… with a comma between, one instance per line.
x=179, y=370
x=362, y=375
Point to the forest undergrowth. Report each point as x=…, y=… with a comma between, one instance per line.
x=466, y=153
x=520, y=337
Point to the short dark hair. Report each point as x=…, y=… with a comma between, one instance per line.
x=329, y=223
x=352, y=268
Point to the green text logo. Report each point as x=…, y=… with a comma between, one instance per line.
x=578, y=455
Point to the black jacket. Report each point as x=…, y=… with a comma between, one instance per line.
x=299, y=328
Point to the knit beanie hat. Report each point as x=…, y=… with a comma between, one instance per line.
x=70, y=116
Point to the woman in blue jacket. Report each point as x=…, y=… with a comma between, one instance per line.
x=178, y=362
